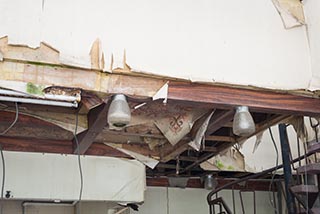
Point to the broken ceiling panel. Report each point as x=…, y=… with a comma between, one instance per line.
x=150, y=162
x=196, y=143
x=291, y=12
x=178, y=123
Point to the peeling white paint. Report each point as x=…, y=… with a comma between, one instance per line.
x=239, y=42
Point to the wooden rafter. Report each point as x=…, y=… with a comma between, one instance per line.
x=97, y=119
x=218, y=120
x=259, y=128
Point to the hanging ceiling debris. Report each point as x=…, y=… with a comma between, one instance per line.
x=177, y=127
x=291, y=12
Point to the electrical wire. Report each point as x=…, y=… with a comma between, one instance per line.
x=274, y=174
x=2, y=157
x=3, y=177
x=14, y=122
x=79, y=164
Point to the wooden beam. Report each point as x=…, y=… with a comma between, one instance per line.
x=97, y=119
x=220, y=138
x=55, y=146
x=210, y=149
x=169, y=152
x=218, y=120
x=271, y=121
x=188, y=158
x=230, y=97
x=258, y=185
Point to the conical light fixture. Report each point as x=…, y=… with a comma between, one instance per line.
x=243, y=124
x=119, y=114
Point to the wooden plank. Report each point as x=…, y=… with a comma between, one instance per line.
x=221, y=138
x=230, y=97
x=55, y=146
x=271, y=121
x=97, y=119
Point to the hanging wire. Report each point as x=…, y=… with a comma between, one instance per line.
x=274, y=174
x=13, y=123
x=79, y=163
x=2, y=156
x=305, y=174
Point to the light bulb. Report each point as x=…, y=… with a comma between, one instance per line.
x=210, y=183
x=243, y=124
x=119, y=114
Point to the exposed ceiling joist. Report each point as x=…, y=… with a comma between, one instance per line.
x=218, y=120
x=259, y=128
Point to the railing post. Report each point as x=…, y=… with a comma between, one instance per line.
x=285, y=151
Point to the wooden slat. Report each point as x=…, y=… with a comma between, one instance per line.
x=97, y=119
x=230, y=97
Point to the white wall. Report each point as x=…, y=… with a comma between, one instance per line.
x=53, y=176
x=312, y=8
x=241, y=42
x=160, y=200
x=15, y=207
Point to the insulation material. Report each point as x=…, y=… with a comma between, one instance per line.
x=150, y=162
x=291, y=12
x=56, y=177
x=232, y=160
x=198, y=139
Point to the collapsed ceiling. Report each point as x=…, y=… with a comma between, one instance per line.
x=177, y=127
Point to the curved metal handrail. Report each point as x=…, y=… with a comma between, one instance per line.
x=253, y=176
